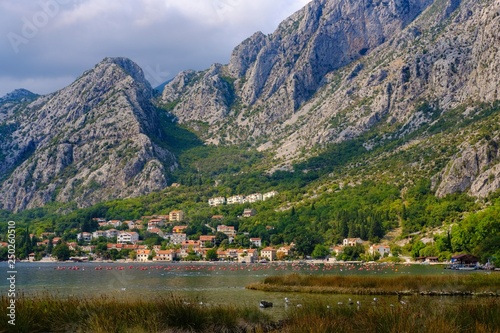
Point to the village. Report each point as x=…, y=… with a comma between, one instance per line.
x=123, y=241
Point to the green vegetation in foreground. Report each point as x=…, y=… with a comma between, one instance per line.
x=104, y=314
x=50, y=314
x=459, y=285
x=416, y=315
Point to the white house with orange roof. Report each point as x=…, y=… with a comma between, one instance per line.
x=165, y=255
x=247, y=255
x=206, y=239
x=257, y=242
x=142, y=255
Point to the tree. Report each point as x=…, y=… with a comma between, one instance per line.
x=212, y=255
x=61, y=251
x=219, y=237
x=320, y=251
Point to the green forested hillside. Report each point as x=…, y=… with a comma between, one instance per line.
x=343, y=190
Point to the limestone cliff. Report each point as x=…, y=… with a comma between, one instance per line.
x=89, y=142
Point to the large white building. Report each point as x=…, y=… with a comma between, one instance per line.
x=127, y=237
x=218, y=201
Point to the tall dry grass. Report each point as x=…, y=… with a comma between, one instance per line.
x=104, y=314
x=384, y=285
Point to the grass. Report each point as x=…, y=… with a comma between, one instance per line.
x=470, y=315
x=104, y=314
x=173, y=314
x=443, y=285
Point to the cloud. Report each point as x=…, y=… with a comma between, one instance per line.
x=46, y=44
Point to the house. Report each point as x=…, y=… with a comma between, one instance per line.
x=158, y=232
x=254, y=197
x=218, y=217
x=247, y=255
x=206, y=240
x=352, y=241
x=56, y=240
x=382, y=250
x=156, y=223
x=87, y=248
x=235, y=199
x=285, y=251
x=218, y=201
x=127, y=237
x=31, y=257
x=84, y=236
x=257, y=242
x=249, y=212
x=269, y=195
x=227, y=230
x=72, y=246
x=178, y=238
x=111, y=233
x=179, y=229
x=337, y=250
x=165, y=255
x=269, y=253
x=176, y=216
x=142, y=255
x=115, y=223
x=464, y=260
x=99, y=233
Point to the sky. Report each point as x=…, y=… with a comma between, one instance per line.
x=46, y=44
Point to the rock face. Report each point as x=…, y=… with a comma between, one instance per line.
x=89, y=142
x=475, y=169
x=339, y=68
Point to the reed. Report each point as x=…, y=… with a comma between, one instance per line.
x=468, y=315
x=47, y=313
x=448, y=285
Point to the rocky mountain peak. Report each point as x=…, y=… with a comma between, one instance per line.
x=89, y=142
x=18, y=95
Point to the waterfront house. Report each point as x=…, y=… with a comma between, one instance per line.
x=247, y=255
x=285, y=251
x=165, y=255
x=142, y=255
x=269, y=253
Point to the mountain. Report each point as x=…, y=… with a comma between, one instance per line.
x=392, y=90
x=338, y=70
x=89, y=142
x=18, y=95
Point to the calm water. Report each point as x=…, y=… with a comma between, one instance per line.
x=209, y=283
